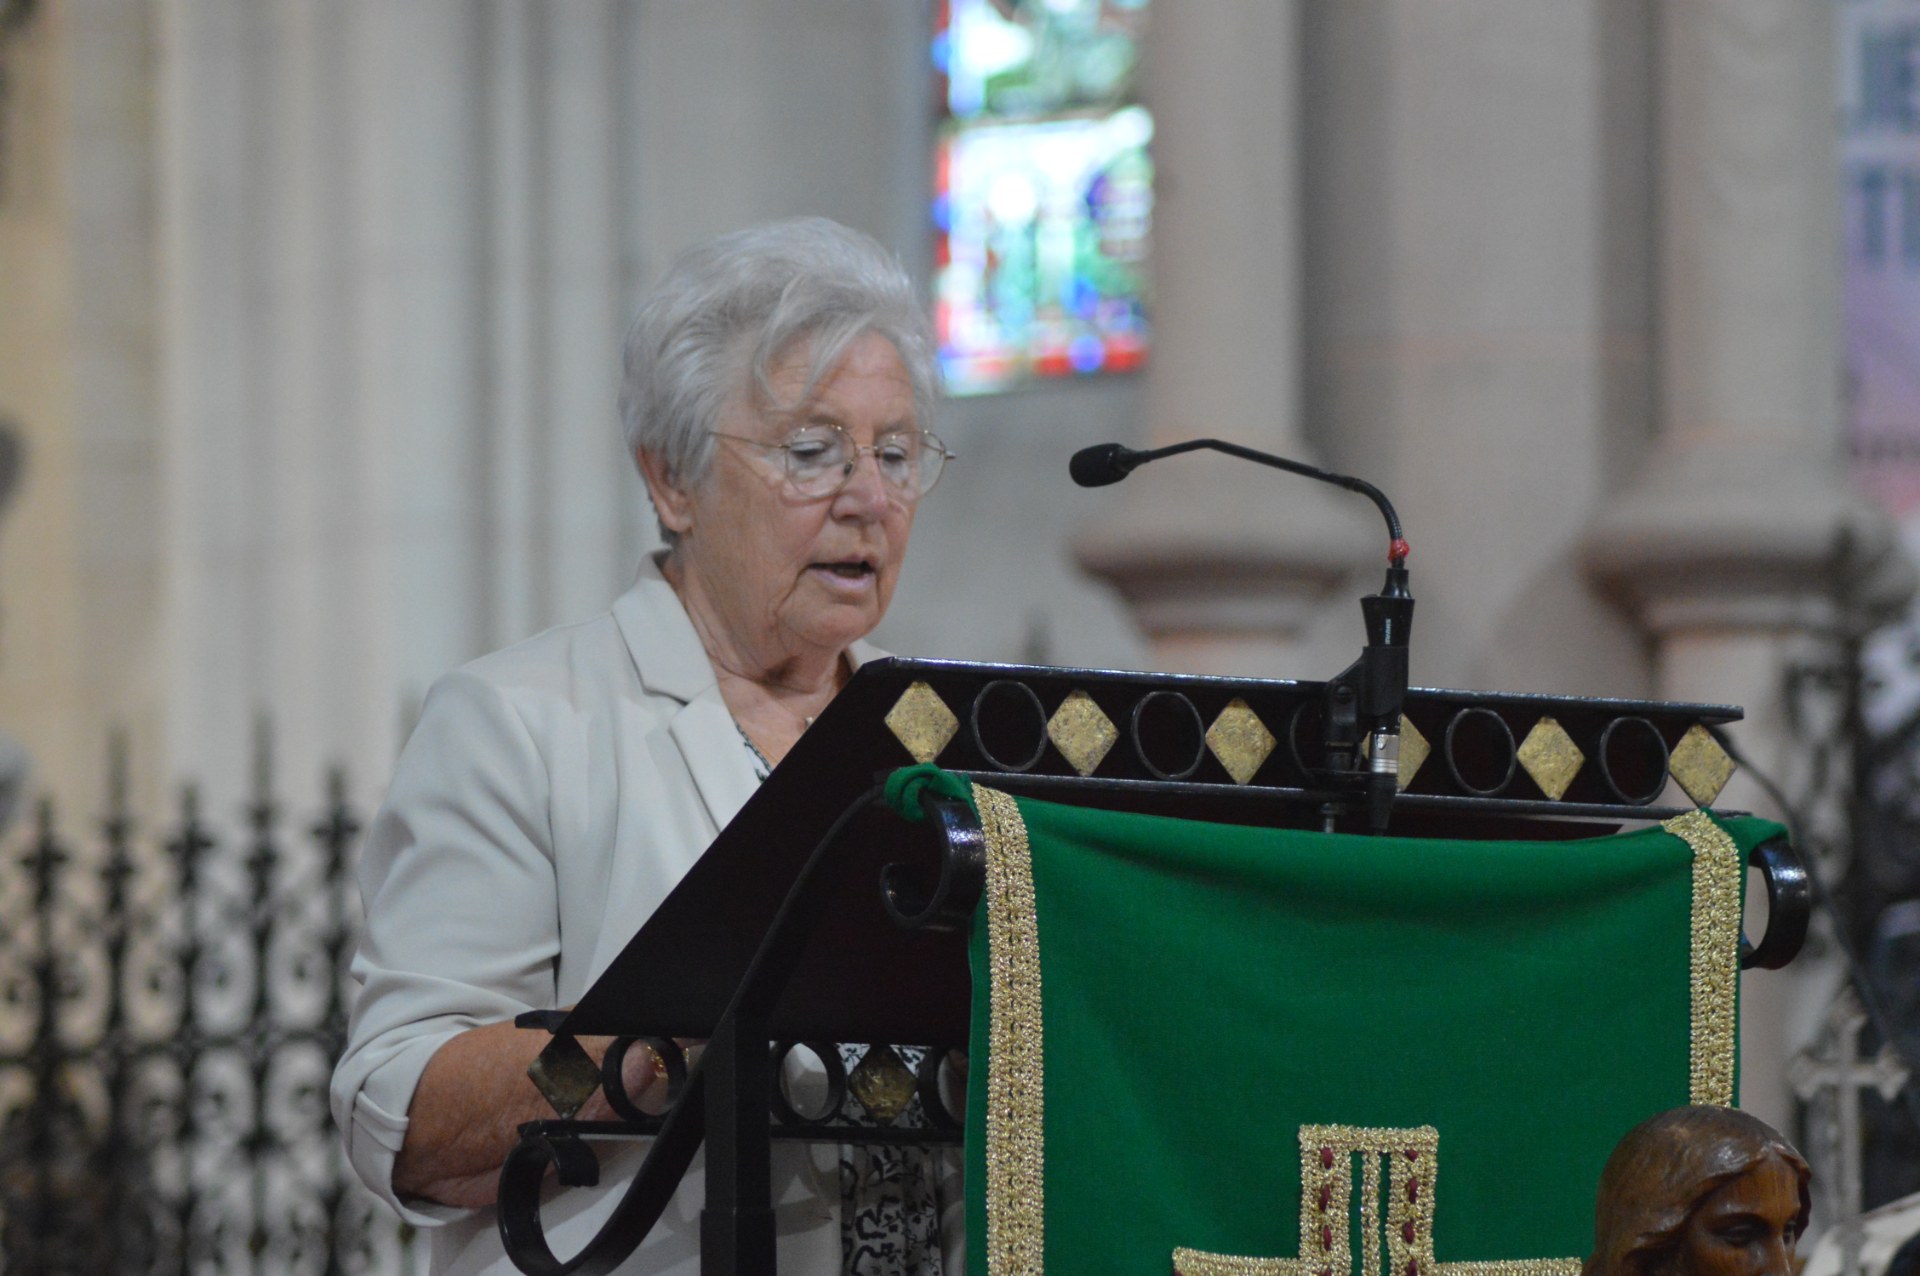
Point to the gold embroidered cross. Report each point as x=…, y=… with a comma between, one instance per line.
x=1411, y=1159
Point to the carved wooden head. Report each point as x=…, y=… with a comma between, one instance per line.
x=1700, y=1191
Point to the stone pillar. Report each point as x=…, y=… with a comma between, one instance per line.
x=392, y=306
x=1740, y=548
x=291, y=318
x=1477, y=315
x=42, y=672
x=1224, y=562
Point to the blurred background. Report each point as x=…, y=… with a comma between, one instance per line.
x=310, y=315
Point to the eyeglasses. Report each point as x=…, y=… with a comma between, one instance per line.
x=820, y=459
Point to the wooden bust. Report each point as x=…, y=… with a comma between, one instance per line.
x=1700, y=1191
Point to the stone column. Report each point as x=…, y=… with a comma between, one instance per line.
x=80, y=602
x=392, y=308
x=1741, y=548
x=1223, y=562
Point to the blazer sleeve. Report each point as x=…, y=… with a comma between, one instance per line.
x=462, y=914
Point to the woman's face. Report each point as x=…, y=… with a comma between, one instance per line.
x=1745, y=1227
x=784, y=574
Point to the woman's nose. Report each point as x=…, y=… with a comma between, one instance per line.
x=865, y=490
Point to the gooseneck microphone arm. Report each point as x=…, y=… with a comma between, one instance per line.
x=1105, y=463
x=1360, y=730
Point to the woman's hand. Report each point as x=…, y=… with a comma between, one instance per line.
x=475, y=1094
x=643, y=1074
x=466, y=1115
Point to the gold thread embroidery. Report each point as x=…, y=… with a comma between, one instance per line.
x=1410, y=1190
x=1715, y=973
x=1411, y=1155
x=1191, y=1262
x=1370, y=1214
x=1412, y=1158
x=1016, y=1151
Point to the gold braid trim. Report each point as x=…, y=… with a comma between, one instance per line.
x=1716, y=954
x=1191, y=1262
x=1016, y=1148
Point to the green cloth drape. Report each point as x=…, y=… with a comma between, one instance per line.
x=1205, y=991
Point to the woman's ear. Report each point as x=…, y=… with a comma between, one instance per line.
x=670, y=501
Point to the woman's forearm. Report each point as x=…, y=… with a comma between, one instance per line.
x=469, y=1106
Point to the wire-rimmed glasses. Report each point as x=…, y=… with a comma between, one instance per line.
x=819, y=459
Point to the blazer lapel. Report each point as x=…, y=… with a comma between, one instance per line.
x=670, y=661
x=716, y=754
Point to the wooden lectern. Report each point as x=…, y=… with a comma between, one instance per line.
x=819, y=916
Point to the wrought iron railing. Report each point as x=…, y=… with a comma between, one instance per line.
x=1877, y=897
x=1852, y=789
x=171, y=1004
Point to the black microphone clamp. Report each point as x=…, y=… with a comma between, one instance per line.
x=1362, y=704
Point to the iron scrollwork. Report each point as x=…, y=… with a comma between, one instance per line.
x=170, y=1010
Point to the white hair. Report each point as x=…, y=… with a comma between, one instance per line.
x=729, y=308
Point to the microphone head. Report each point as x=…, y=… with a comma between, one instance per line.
x=1101, y=464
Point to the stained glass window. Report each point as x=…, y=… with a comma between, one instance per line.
x=1043, y=191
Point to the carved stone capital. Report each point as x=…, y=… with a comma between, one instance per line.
x=1728, y=534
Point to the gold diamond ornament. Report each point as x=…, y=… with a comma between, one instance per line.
x=1414, y=751
x=1082, y=732
x=1701, y=765
x=565, y=1074
x=1240, y=740
x=921, y=721
x=1550, y=756
x=882, y=1083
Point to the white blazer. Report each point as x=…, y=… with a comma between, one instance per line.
x=550, y=797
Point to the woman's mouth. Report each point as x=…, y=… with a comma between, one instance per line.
x=850, y=570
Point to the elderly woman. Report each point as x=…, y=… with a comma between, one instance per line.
x=1700, y=1191
x=778, y=386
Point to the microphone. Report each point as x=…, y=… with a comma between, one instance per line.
x=1107, y=463
x=1362, y=703
x=1101, y=464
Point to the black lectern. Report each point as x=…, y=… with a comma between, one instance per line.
x=819, y=916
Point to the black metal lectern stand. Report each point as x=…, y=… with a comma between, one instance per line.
x=819, y=916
